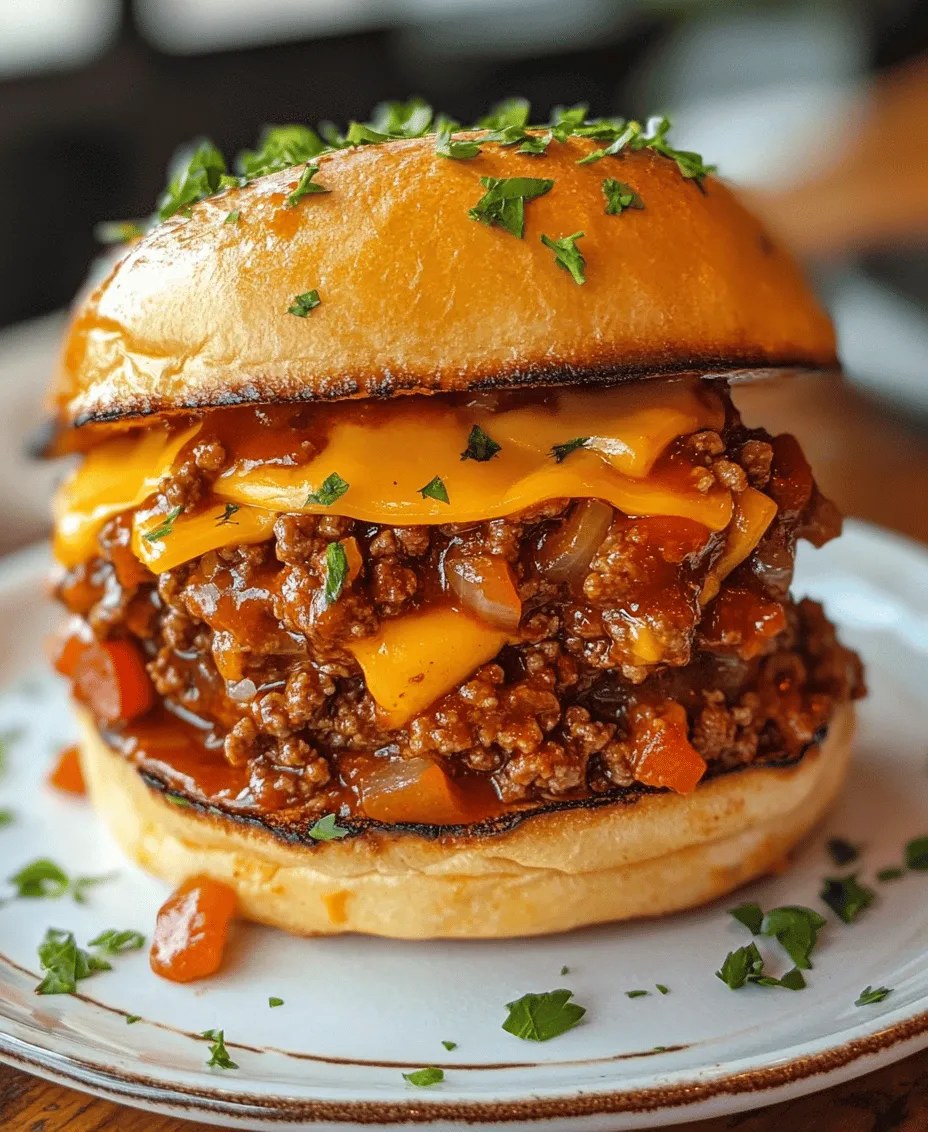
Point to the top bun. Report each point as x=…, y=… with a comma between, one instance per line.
x=417, y=297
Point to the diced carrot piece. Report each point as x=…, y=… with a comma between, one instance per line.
x=663, y=754
x=64, y=650
x=110, y=677
x=192, y=929
x=67, y=773
x=418, y=791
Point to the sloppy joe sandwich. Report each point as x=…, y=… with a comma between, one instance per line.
x=424, y=579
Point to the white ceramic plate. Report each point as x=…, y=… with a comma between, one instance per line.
x=358, y=1012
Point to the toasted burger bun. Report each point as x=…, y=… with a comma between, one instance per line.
x=416, y=297
x=557, y=870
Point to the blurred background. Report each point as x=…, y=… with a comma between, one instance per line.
x=816, y=109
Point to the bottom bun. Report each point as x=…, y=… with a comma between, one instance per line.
x=558, y=869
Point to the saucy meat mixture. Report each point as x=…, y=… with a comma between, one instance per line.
x=628, y=652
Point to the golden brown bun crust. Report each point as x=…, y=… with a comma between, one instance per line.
x=556, y=871
x=417, y=297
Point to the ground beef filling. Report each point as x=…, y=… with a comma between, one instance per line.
x=235, y=639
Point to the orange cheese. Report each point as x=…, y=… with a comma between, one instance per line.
x=388, y=451
x=415, y=660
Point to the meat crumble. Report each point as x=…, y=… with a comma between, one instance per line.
x=238, y=641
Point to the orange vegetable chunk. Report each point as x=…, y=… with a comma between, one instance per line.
x=191, y=930
x=110, y=677
x=412, y=790
x=664, y=756
x=67, y=773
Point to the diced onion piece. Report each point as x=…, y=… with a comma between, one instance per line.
x=483, y=584
x=662, y=752
x=567, y=552
x=753, y=514
x=191, y=930
x=242, y=691
x=411, y=790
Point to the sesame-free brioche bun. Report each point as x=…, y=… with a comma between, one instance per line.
x=558, y=869
x=417, y=297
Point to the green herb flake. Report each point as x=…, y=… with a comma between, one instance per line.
x=177, y=800
x=275, y=1002
x=306, y=186
x=435, y=489
x=325, y=829
x=200, y=175
x=540, y=1017
x=303, y=304
x=841, y=851
x=64, y=963
x=6, y=818
x=336, y=572
x=870, y=995
x=457, y=150
x=480, y=447
x=792, y=980
x=690, y=164
x=536, y=145
x=846, y=896
x=218, y=1054
x=796, y=929
x=115, y=942
x=131, y=1019
x=560, y=452
x=281, y=147
x=630, y=131
x=916, y=854
x=636, y=993
x=567, y=255
x=423, y=1078
x=565, y=970
x=117, y=231
x=232, y=217
x=449, y=1045
x=165, y=527
x=333, y=488
x=80, y=885
x=892, y=873
x=750, y=915
x=566, y=120
x=225, y=519
x=509, y=112
x=619, y=197
x=503, y=204
x=740, y=966
x=41, y=880
x=662, y=988
x=397, y=119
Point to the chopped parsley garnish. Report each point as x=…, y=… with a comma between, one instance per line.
x=65, y=963
x=503, y=204
x=560, y=452
x=422, y=1078
x=6, y=817
x=325, y=828
x=336, y=571
x=80, y=885
x=540, y=1017
x=750, y=915
x=846, y=896
x=509, y=112
x=303, y=304
x=792, y=980
x=200, y=175
x=892, y=873
x=565, y=970
x=480, y=447
x=232, y=217
x=459, y=150
x=131, y=1019
x=872, y=994
x=507, y=135
x=796, y=929
x=636, y=993
x=567, y=255
x=843, y=852
x=565, y=120
x=306, y=186
x=177, y=800
x=226, y=517
x=916, y=854
x=536, y=145
x=435, y=489
x=620, y=196
x=115, y=942
x=360, y=133
x=275, y=1002
x=630, y=131
x=218, y=1054
x=117, y=231
x=165, y=527
x=740, y=966
x=449, y=1045
x=42, y=879
x=333, y=487
x=662, y=988
x=396, y=119
x=281, y=148
x=690, y=164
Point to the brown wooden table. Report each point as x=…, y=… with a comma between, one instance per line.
x=875, y=466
